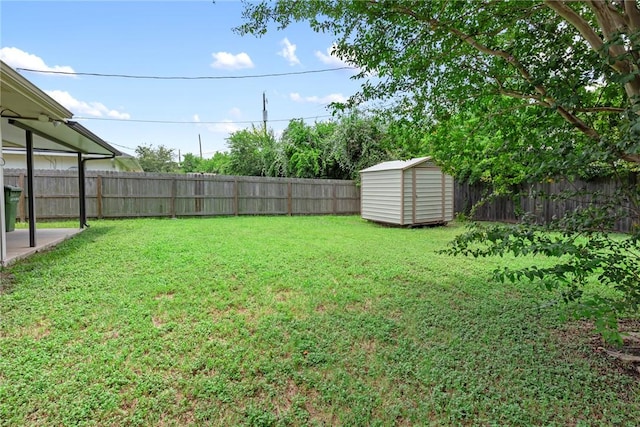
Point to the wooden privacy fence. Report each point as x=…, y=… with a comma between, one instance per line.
x=126, y=195
x=510, y=209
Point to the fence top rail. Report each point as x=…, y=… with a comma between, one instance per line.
x=177, y=176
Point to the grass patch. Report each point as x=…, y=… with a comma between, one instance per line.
x=289, y=321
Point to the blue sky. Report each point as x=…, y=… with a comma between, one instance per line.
x=170, y=38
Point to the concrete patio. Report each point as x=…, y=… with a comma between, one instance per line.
x=18, y=241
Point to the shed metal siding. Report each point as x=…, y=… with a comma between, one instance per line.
x=409, y=193
x=448, y=206
x=407, y=189
x=381, y=196
x=429, y=195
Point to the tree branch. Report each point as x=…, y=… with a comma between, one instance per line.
x=602, y=109
x=544, y=99
x=610, y=22
x=584, y=28
x=578, y=22
x=515, y=94
x=564, y=113
x=633, y=15
x=633, y=158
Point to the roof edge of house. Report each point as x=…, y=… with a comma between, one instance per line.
x=17, y=82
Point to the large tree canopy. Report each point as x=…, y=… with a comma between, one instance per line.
x=577, y=60
x=508, y=93
x=336, y=149
x=158, y=159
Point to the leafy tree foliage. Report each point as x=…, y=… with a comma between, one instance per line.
x=158, y=159
x=304, y=149
x=252, y=152
x=217, y=164
x=509, y=93
x=191, y=163
x=336, y=149
x=360, y=141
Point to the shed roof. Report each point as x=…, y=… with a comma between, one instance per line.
x=397, y=165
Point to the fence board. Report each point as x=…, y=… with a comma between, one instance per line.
x=508, y=209
x=124, y=194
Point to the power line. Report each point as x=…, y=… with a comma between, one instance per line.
x=196, y=122
x=121, y=146
x=129, y=76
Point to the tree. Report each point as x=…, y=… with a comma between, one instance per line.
x=513, y=92
x=439, y=55
x=306, y=149
x=252, y=152
x=156, y=159
x=359, y=141
x=219, y=163
x=191, y=163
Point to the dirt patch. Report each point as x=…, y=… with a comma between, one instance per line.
x=158, y=321
x=624, y=359
x=284, y=295
x=165, y=295
x=318, y=411
x=110, y=335
x=41, y=329
x=7, y=281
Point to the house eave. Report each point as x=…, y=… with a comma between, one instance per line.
x=13, y=81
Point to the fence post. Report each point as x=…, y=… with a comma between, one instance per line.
x=334, y=195
x=199, y=192
x=235, y=196
x=99, y=196
x=174, y=191
x=289, y=201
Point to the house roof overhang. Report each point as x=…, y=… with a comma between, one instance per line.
x=24, y=106
x=66, y=137
x=21, y=98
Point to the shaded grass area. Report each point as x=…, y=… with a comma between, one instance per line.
x=289, y=321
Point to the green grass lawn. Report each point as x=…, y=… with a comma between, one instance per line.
x=290, y=321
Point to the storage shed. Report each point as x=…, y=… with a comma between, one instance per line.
x=406, y=192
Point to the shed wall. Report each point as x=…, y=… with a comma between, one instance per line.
x=430, y=200
x=450, y=198
x=381, y=196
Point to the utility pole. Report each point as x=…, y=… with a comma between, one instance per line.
x=264, y=111
x=200, y=142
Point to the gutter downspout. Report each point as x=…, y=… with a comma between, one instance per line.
x=81, y=187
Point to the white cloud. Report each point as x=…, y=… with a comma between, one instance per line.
x=226, y=127
x=17, y=58
x=235, y=113
x=333, y=97
x=330, y=58
x=118, y=114
x=288, y=52
x=229, y=61
x=95, y=109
